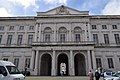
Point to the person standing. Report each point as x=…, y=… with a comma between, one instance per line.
x=97, y=75
x=90, y=74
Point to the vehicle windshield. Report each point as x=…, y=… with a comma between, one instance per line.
x=13, y=70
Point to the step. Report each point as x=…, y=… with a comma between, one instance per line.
x=57, y=78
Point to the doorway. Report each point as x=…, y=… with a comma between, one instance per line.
x=62, y=58
x=45, y=69
x=80, y=65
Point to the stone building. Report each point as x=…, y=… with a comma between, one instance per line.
x=61, y=35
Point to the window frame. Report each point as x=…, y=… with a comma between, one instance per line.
x=16, y=62
x=62, y=37
x=117, y=38
x=94, y=27
x=106, y=38
x=110, y=62
x=21, y=27
x=95, y=38
x=98, y=62
x=104, y=26
x=9, y=40
x=19, y=41
x=77, y=37
x=1, y=38
x=114, y=26
x=30, y=38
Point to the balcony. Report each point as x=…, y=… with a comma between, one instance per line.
x=107, y=45
x=69, y=43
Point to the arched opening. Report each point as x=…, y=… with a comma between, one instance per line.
x=80, y=65
x=45, y=65
x=62, y=58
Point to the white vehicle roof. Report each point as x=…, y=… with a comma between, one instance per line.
x=6, y=63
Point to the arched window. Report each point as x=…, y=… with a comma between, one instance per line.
x=77, y=34
x=62, y=34
x=47, y=34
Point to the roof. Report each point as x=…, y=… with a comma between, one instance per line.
x=6, y=63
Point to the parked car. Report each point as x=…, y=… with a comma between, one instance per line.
x=26, y=73
x=8, y=71
x=110, y=75
x=111, y=78
x=117, y=74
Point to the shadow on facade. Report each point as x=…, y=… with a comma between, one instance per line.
x=79, y=63
x=45, y=65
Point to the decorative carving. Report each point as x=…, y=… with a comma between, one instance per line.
x=62, y=10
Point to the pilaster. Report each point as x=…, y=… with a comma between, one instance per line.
x=89, y=60
x=94, y=60
x=36, y=33
x=53, y=64
x=39, y=29
x=71, y=64
x=36, y=63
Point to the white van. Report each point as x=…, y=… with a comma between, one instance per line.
x=8, y=71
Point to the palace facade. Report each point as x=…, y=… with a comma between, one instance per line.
x=61, y=35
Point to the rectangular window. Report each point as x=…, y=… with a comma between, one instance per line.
x=104, y=27
x=106, y=38
x=27, y=62
x=9, y=40
x=110, y=63
x=31, y=28
x=62, y=37
x=98, y=62
x=0, y=39
x=30, y=39
x=114, y=26
x=117, y=38
x=21, y=28
x=19, y=41
x=94, y=27
x=47, y=37
x=11, y=28
x=1, y=27
x=95, y=38
x=77, y=37
x=5, y=59
x=16, y=62
x=119, y=60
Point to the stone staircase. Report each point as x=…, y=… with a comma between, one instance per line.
x=58, y=78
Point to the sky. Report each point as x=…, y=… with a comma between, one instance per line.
x=10, y=8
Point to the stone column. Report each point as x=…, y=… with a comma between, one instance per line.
x=53, y=64
x=36, y=63
x=89, y=60
x=71, y=64
x=94, y=60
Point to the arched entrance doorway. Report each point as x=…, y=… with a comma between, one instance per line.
x=62, y=58
x=45, y=68
x=80, y=65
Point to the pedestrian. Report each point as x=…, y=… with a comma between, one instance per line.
x=97, y=75
x=91, y=76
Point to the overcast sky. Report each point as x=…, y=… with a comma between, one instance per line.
x=30, y=7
